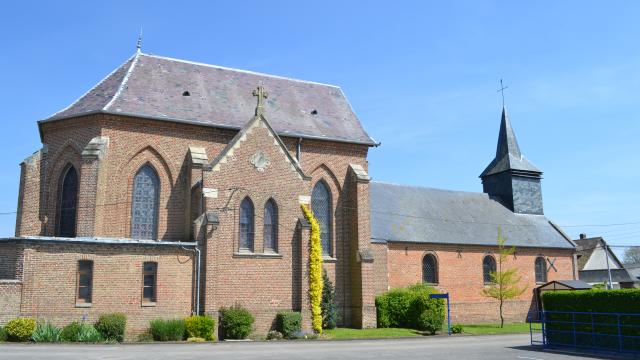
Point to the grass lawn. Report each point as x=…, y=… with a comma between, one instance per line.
x=344, y=333
x=488, y=329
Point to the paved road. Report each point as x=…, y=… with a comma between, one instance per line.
x=499, y=347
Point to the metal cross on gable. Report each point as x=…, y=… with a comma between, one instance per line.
x=501, y=90
x=262, y=94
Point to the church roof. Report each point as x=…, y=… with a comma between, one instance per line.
x=163, y=88
x=403, y=213
x=508, y=154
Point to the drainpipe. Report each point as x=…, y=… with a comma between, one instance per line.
x=299, y=150
x=198, y=281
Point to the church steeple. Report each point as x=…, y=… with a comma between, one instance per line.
x=510, y=178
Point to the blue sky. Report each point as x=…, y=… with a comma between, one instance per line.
x=422, y=77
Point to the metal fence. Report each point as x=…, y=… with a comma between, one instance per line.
x=610, y=332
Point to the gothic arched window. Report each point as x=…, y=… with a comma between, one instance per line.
x=68, y=203
x=145, y=203
x=541, y=270
x=488, y=267
x=321, y=207
x=246, y=225
x=430, y=269
x=270, y=231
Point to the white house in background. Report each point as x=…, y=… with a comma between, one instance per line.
x=595, y=260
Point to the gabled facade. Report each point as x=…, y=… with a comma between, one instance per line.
x=170, y=163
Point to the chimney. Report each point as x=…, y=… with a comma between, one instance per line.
x=583, y=236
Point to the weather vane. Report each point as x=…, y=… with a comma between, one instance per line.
x=501, y=90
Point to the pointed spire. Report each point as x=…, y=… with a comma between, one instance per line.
x=508, y=154
x=507, y=142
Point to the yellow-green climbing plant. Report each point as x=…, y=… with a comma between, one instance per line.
x=315, y=270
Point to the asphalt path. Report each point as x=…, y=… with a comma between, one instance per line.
x=499, y=347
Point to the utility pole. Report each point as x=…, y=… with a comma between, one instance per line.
x=606, y=254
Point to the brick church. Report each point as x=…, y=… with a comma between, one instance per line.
x=174, y=187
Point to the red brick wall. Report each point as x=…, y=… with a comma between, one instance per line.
x=134, y=142
x=10, y=292
x=49, y=283
x=460, y=274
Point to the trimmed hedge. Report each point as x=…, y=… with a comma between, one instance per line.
x=112, y=326
x=411, y=308
x=20, y=329
x=560, y=326
x=288, y=323
x=167, y=330
x=236, y=322
x=200, y=327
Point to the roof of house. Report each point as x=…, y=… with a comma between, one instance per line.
x=424, y=215
x=602, y=276
x=508, y=154
x=157, y=87
x=573, y=284
x=586, y=247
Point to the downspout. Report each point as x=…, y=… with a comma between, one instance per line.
x=197, y=252
x=299, y=150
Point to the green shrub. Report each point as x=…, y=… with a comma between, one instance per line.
x=457, y=329
x=330, y=315
x=88, y=334
x=20, y=329
x=236, y=322
x=288, y=323
x=112, y=326
x=46, y=332
x=200, y=326
x=3, y=334
x=167, y=330
x=80, y=332
x=411, y=308
x=69, y=333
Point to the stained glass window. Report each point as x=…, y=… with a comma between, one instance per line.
x=144, y=205
x=541, y=270
x=430, y=269
x=246, y=225
x=270, y=226
x=488, y=267
x=68, y=203
x=321, y=207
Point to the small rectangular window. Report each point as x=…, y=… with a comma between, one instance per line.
x=149, y=281
x=85, y=281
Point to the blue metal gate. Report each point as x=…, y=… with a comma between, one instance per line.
x=617, y=332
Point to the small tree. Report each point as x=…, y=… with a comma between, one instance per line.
x=330, y=314
x=632, y=255
x=504, y=283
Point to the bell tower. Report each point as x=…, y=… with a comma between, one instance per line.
x=510, y=178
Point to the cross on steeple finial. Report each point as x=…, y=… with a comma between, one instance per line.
x=501, y=90
x=139, y=42
x=261, y=93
